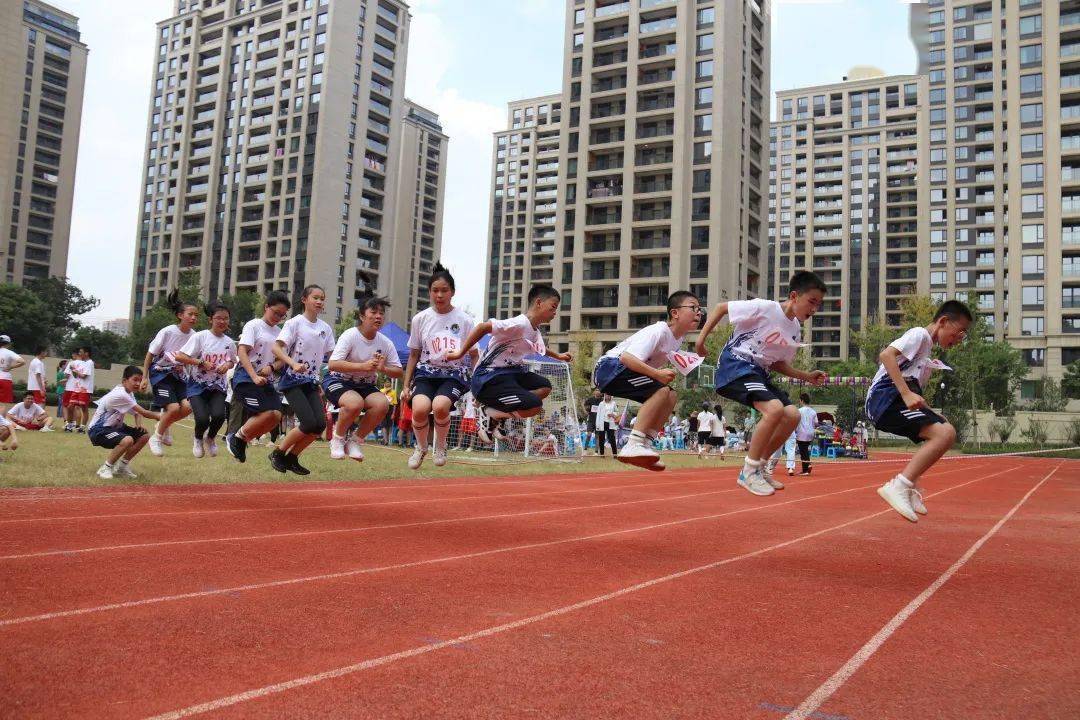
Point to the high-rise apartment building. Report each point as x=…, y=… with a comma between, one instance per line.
x=846, y=160
x=421, y=184
x=659, y=182
x=273, y=145
x=1004, y=173
x=42, y=74
x=524, y=203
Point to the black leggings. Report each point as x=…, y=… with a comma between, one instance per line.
x=804, y=453
x=610, y=435
x=210, y=412
x=306, y=402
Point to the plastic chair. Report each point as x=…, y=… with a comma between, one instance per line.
x=831, y=452
x=815, y=451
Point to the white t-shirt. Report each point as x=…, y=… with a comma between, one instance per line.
x=259, y=338
x=607, y=415
x=470, y=406
x=915, y=346
x=205, y=345
x=512, y=341
x=77, y=384
x=37, y=367
x=435, y=335
x=164, y=346
x=718, y=426
x=804, y=431
x=705, y=420
x=352, y=346
x=112, y=407
x=25, y=414
x=650, y=345
x=7, y=360
x=762, y=335
x=305, y=342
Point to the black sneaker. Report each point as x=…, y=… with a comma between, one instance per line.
x=236, y=447
x=293, y=463
x=278, y=461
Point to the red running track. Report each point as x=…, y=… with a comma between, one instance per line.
x=619, y=596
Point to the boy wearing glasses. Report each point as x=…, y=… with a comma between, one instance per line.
x=895, y=404
x=766, y=335
x=632, y=370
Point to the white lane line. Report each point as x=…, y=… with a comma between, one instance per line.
x=401, y=566
x=338, y=506
x=276, y=688
x=817, y=698
x=366, y=528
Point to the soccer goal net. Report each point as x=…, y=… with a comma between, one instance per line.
x=554, y=434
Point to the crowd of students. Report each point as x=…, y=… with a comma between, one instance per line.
x=205, y=373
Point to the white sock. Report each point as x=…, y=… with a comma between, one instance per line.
x=752, y=463
x=441, y=431
x=639, y=437
x=339, y=437
x=905, y=482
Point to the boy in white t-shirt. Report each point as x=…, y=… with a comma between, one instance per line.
x=633, y=370
x=35, y=378
x=9, y=360
x=706, y=419
x=894, y=402
x=766, y=336
x=501, y=383
x=107, y=429
x=28, y=415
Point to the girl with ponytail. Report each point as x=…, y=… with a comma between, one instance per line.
x=164, y=374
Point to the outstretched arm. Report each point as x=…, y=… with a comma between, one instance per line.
x=715, y=315
x=478, y=331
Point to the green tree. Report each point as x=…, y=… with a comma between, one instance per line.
x=1050, y=398
x=108, y=348
x=1070, y=383
x=24, y=317
x=145, y=328
x=243, y=306
x=64, y=302
x=583, y=346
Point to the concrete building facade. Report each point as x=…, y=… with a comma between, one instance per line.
x=42, y=76
x=847, y=181
x=274, y=146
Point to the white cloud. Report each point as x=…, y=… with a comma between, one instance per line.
x=470, y=124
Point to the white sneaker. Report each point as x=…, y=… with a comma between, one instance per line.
x=352, y=449
x=438, y=457
x=898, y=494
x=417, y=458
x=105, y=472
x=166, y=439
x=155, y=446
x=211, y=447
x=122, y=469
x=752, y=480
x=767, y=475
x=917, y=503
x=197, y=448
x=637, y=453
x=657, y=466
x=47, y=429
x=337, y=448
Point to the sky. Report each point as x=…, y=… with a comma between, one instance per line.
x=467, y=59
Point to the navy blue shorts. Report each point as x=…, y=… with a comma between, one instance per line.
x=108, y=437
x=511, y=392
x=614, y=378
x=750, y=389
x=433, y=387
x=168, y=390
x=335, y=387
x=898, y=420
x=257, y=399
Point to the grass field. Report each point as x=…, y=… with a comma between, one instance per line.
x=63, y=459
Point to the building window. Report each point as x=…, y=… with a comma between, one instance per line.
x=1032, y=325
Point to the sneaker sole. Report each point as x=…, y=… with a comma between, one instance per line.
x=657, y=467
x=885, y=496
x=752, y=491
x=641, y=461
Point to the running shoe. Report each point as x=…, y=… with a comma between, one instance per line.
x=236, y=447
x=197, y=448
x=123, y=470
x=898, y=494
x=417, y=458
x=211, y=447
x=155, y=446
x=278, y=461
x=438, y=457
x=752, y=480
x=636, y=453
x=105, y=472
x=353, y=450
x=917, y=503
x=767, y=474
x=292, y=462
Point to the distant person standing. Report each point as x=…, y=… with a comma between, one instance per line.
x=8, y=362
x=591, y=404
x=35, y=379
x=805, y=431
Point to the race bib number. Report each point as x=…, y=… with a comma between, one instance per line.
x=441, y=344
x=684, y=362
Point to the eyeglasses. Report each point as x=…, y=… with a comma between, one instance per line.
x=695, y=308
